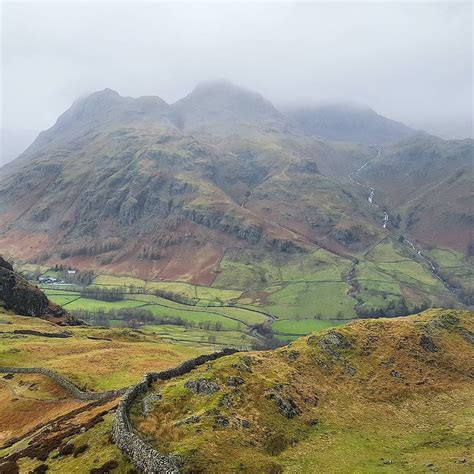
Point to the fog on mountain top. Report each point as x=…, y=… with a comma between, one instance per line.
x=410, y=62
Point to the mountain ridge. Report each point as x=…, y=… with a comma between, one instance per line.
x=119, y=186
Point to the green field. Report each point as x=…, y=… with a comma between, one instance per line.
x=391, y=276
x=287, y=330
x=184, y=289
x=299, y=289
x=233, y=323
x=310, y=300
x=247, y=269
x=455, y=267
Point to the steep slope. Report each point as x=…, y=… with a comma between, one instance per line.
x=19, y=296
x=429, y=182
x=100, y=109
x=387, y=393
x=347, y=123
x=115, y=177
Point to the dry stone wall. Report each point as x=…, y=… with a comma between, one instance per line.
x=145, y=457
x=60, y=380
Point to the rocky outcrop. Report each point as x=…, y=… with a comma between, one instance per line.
x=331, y=343
x=286, y=406
x=202, y=386
x=226, y=222
x=20, y=296
x=145, y=457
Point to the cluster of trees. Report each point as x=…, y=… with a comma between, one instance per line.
x=466, y=296
x=81, y=277
x=149, y=252
x=103, y=294
x=178, y=298
x=398, y=308
x=268, y=341
x=93, y=249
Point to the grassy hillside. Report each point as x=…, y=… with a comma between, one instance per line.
x=93, y=358
x=427, y=181
x=41, y=424
x=391, y=394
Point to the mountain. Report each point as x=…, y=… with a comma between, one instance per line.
x=100, y=109
x=221, y=189
x=224, y=107
x=373, y=395
x=347, y=123
x=113, y=175
x=21, y=297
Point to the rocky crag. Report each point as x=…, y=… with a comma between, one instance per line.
x=21, y=297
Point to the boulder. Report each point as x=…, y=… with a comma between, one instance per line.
x=202, y=386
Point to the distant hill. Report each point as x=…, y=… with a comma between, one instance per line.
x=221, y=104
x=347, y=123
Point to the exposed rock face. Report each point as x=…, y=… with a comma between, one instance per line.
x=202, y=386
x=331, y=342
x=235, y=381
x=428, y=345
x=5, y=265
x=20, y=296
x=286, y=406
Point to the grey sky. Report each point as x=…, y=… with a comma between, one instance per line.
x=409, y=61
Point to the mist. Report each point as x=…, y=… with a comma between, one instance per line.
x=409, y=61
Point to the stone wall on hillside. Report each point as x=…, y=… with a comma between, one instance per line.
x=145, y=457
x=60, y=380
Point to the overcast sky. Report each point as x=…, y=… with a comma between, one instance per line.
x=409, y=61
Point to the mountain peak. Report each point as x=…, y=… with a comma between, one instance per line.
x=220, y=86
x=104, y=93
x=101, y=109
x=221, y=103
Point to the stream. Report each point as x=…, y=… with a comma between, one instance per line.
x=386, y=221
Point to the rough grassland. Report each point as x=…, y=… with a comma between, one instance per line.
x=114, y=358
x=391, y=395
x=92, y=358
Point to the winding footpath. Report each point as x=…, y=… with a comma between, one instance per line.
x=386, y=221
